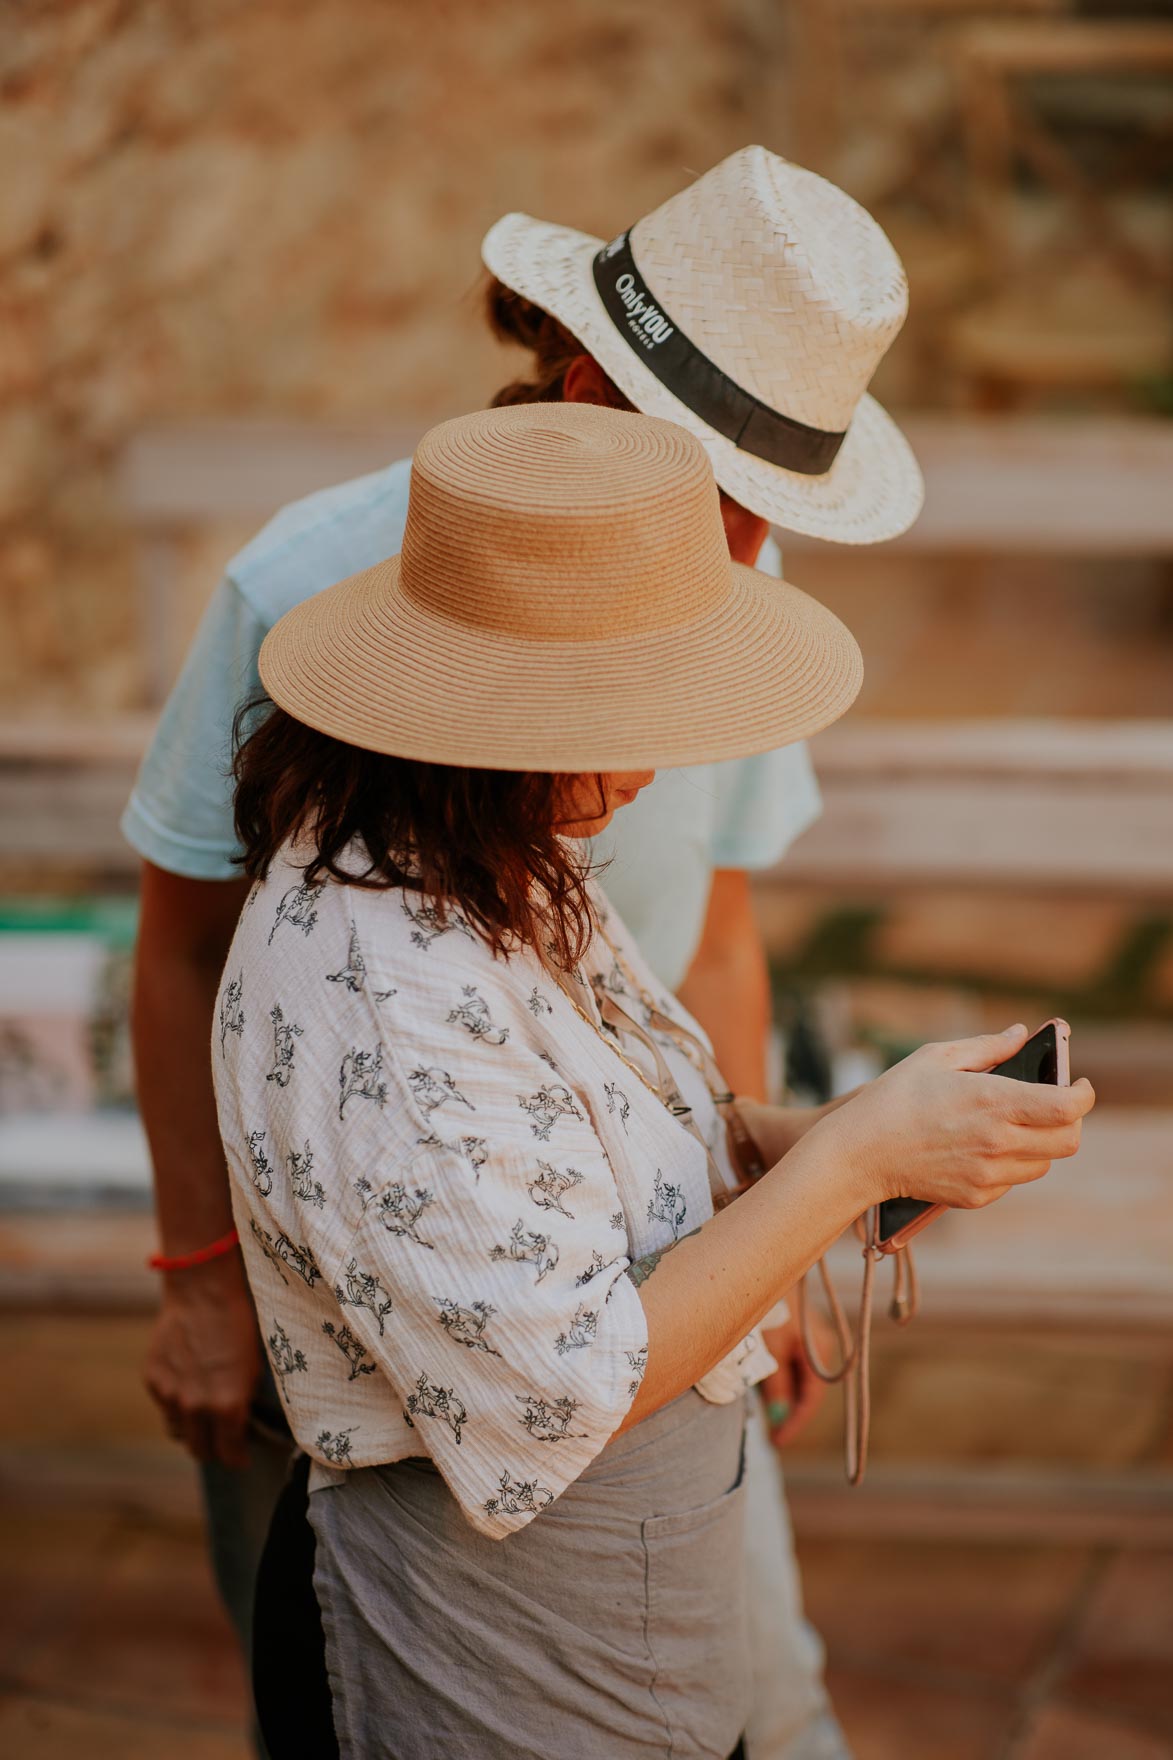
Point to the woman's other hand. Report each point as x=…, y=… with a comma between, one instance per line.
x=939, y=1128
x=793, y=1393
x=776, y=1129
x=935, y=1127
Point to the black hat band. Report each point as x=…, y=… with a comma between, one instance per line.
x=699, y=384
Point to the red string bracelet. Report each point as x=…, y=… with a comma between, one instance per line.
x=186, y=1261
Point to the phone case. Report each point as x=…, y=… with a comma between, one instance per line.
x=1063, y=1080
x=1062, y=1049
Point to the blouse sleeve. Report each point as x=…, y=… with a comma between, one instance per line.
x=494, y=1263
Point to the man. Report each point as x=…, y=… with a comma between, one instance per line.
x=752, y=308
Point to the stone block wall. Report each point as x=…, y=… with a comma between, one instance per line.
x=273, y=207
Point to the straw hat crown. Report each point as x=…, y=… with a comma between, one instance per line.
x=564, y=601
x=804, y=295
x=555, y=522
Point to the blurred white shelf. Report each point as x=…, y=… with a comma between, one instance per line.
x=1094, y=485
x=50, y=972
x=83, y=1160
x=1015, y=484
x=1064, y=805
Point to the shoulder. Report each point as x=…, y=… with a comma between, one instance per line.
x=289, y=920
x=321, y=539
x=420, y=972
x=467, y=1035
x=433, y=959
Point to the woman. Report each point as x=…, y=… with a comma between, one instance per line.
x=474, y=1151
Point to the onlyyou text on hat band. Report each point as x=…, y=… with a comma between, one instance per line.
x=696, y=380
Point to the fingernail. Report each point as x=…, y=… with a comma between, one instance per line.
x=777, y=1412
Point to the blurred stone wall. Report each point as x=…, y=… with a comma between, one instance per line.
x=273, y=208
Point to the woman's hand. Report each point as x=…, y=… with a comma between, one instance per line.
x=776, y=1129
x=793, y=1393
x=936, y=1127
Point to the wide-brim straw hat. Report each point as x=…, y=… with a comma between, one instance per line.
x=564, y=601
x=753, y=309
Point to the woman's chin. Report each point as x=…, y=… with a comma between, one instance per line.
x=583, y=829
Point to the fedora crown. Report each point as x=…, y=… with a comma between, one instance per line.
x=780, y=279
x=563, y=523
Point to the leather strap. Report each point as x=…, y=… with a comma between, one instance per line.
x=613, y=1014
x=743, y=1150
x=854, y=1367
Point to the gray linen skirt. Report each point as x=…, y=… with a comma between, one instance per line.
x=613, y=1626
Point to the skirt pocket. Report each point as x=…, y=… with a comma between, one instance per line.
x=696, y=1624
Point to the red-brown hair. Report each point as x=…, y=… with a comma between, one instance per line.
x=483, y=843
x=513, y=318
x=480, y=842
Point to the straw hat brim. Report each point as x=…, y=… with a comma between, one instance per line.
x=367, y=664
x=874, y=489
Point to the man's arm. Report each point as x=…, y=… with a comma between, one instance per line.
x=727, y=986
x=203, y=1359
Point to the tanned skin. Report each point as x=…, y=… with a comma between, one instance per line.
x=204, y=1354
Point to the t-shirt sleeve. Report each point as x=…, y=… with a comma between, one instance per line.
x=764, y=804
x=179, y=815
x=515, y=1340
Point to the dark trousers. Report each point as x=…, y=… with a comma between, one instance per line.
x=290, y=1684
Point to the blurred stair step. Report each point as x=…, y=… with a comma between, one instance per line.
x=988, y=1503
x=77, y=1261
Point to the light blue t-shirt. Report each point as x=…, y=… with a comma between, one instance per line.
x=662, y=849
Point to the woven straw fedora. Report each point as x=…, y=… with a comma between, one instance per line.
x=752, y=309
x=564, y=601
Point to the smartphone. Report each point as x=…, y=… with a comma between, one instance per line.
x=1044, y=1058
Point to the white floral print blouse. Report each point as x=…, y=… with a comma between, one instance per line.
x=441, y=1174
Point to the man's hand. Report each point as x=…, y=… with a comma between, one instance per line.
x=204, y=1359
x=793, y=1393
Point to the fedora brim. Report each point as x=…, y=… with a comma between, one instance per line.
x=874, y=489
x=367, y=664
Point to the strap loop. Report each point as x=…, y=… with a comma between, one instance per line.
x=854, y=1369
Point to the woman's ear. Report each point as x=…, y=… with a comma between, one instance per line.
x=586, y=382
